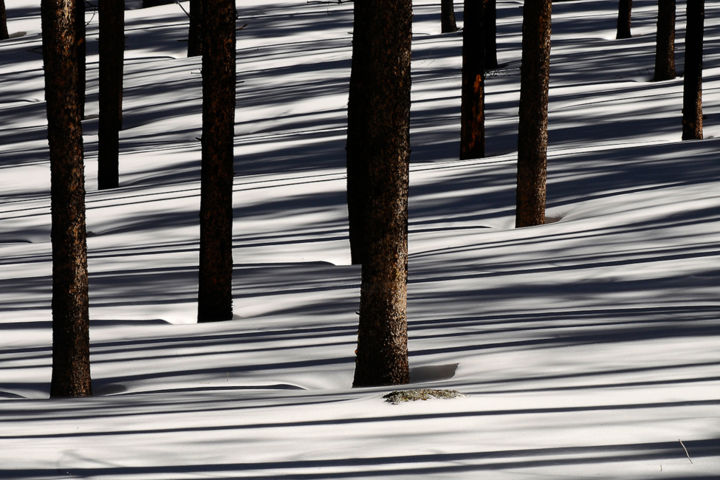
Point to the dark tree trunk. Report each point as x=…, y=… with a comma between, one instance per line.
x=3, y=21
x=472, y=109
x=195, y=31
x=378, y=152
x=80, y=52
x=71, y=341
x=623, y=20
x=532, y=129
x=216, y=216
x=665, y=41
x=490, y=29
x=112, y=47
x=692, y=83
x=447, y=16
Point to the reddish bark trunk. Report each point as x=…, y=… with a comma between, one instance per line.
x=472, y=109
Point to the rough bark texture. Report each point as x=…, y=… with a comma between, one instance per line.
x=623, y=20
x=80, y=51
x=378, y=152
x=490, y=29
x=112, y=47
x=71, y=341
x=195, y=31
x=3, y=21
x=532, y=129
x=218, y=71
x=665, y=41
x=447, y=16
x=692, y=83
x=472, y=108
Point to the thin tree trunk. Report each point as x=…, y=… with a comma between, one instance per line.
x=692, y=82
x=71, y=340
x=490, y=29
x=112, y=47
x=379, y=147
x=3, y=21
x=218, y=70
x=665, y=41
x=80, y=50
x=195, y=30
x=624, y=19
x=532, y=131
x=447, y=16
x=472, y=109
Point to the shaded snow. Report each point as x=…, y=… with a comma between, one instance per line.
x=585, y=348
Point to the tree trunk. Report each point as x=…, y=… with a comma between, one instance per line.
x=112, y=47
x=80, y=51
x=3, y=21
x=665, y=41
x=71, y=340
x=216, y=216
x=692, y=82
x=490, y=29
x=623, y=20
x=447, y=16
x=472, y=109
x=195, y=31
x=378, y=149
x=532, y=129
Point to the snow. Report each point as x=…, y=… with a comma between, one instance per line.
x=585, y=348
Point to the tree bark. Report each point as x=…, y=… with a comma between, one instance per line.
x=692, y=81
x=532, y=129
x=447, y=16
x=80, y=51
x=624, y=19
x=112, y=47
x=195, y=30
x=472, y=108
x=490, y=29
x=3, y=22
x=378, y=149
x=665, y=41
x=218, y=71
x=71, y=340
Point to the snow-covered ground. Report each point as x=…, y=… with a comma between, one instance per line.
x=585, y=348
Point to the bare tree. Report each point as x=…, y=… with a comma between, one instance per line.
x=71, y=340
x=3, y=21
x=195, y=31
x=472, y=108
x=665, y=41
x=80, y=51
x=624, y=19
x=218, y=72
x=490, y=29
x=692, y=82
x=112, y=47
x=447, y=16
x=378, y=150
x=532, y=129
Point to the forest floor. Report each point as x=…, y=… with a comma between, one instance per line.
x=584, y=348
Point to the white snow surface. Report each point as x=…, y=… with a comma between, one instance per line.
x=585, y=348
